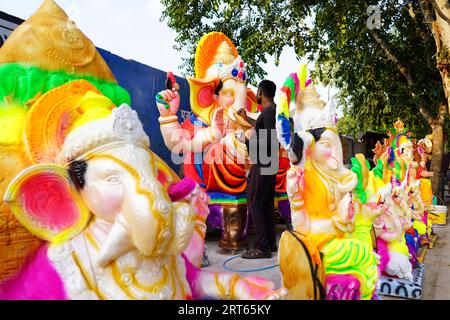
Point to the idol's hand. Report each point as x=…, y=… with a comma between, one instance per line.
x=423, y=163
x=240, y=135
x=168, y=102
x=217, y=122
x=385, y=156
x=295, y=182
x=256, y=288
x=199, y=199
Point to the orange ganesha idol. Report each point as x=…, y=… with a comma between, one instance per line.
x=212, y=139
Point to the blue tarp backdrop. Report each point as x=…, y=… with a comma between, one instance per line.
x=143, y=83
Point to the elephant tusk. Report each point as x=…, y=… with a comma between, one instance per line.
x=117, y=243
x=231, y=114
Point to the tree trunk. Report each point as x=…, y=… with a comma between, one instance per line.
x=437, y=125
x=440, y=28
x=441, y=33
x=437, y=155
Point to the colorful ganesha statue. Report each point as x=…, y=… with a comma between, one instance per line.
x=329, y=254
x=401, y=147
x=114, y=221
x=213, y=138
x=391, y=229
x=403, y=162
x=43, y=53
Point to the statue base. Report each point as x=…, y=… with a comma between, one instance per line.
x=394, y=287
x=234, y=228
x=232, y=248
x=233, y=220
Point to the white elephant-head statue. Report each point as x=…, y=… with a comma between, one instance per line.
x=93, y=192
x=116, y=219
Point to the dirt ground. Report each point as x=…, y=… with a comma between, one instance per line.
x=436, y=283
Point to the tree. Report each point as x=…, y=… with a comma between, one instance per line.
x=389, y=58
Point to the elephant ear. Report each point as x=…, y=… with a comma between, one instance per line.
x=165, y=175
x=202, y=97
x=47, y=203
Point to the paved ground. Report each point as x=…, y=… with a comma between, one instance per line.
x=216, y=258
x=437, y=267
x=437, y=264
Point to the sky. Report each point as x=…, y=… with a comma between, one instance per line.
x=132, y=30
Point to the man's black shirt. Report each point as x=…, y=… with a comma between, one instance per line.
x=264, y=123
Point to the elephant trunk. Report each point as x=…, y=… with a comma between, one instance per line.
x=170, y=235
x=183, y=225
x=146, y=220
x=239, y=104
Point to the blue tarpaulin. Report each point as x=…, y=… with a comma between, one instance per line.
x=143, y=83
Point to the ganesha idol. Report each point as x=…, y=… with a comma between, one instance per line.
x=93, y=211
x=212, y=140
x=390, y=229
x=402, y=149
x=116, y=221
x=329, y=253
x=405, y=226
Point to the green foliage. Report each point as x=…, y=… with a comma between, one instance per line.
x=372, y=90
x=257, y=28
x=334, y=34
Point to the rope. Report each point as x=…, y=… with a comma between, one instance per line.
x=245, y=270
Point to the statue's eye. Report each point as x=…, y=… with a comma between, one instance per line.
x=228, y=92
x=112, y=179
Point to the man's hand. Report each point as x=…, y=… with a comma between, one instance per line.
x=249, y=133
x=168, y=102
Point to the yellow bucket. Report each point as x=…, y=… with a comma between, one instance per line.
x=438, y=215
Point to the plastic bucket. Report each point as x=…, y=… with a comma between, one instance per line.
x=438, y=215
